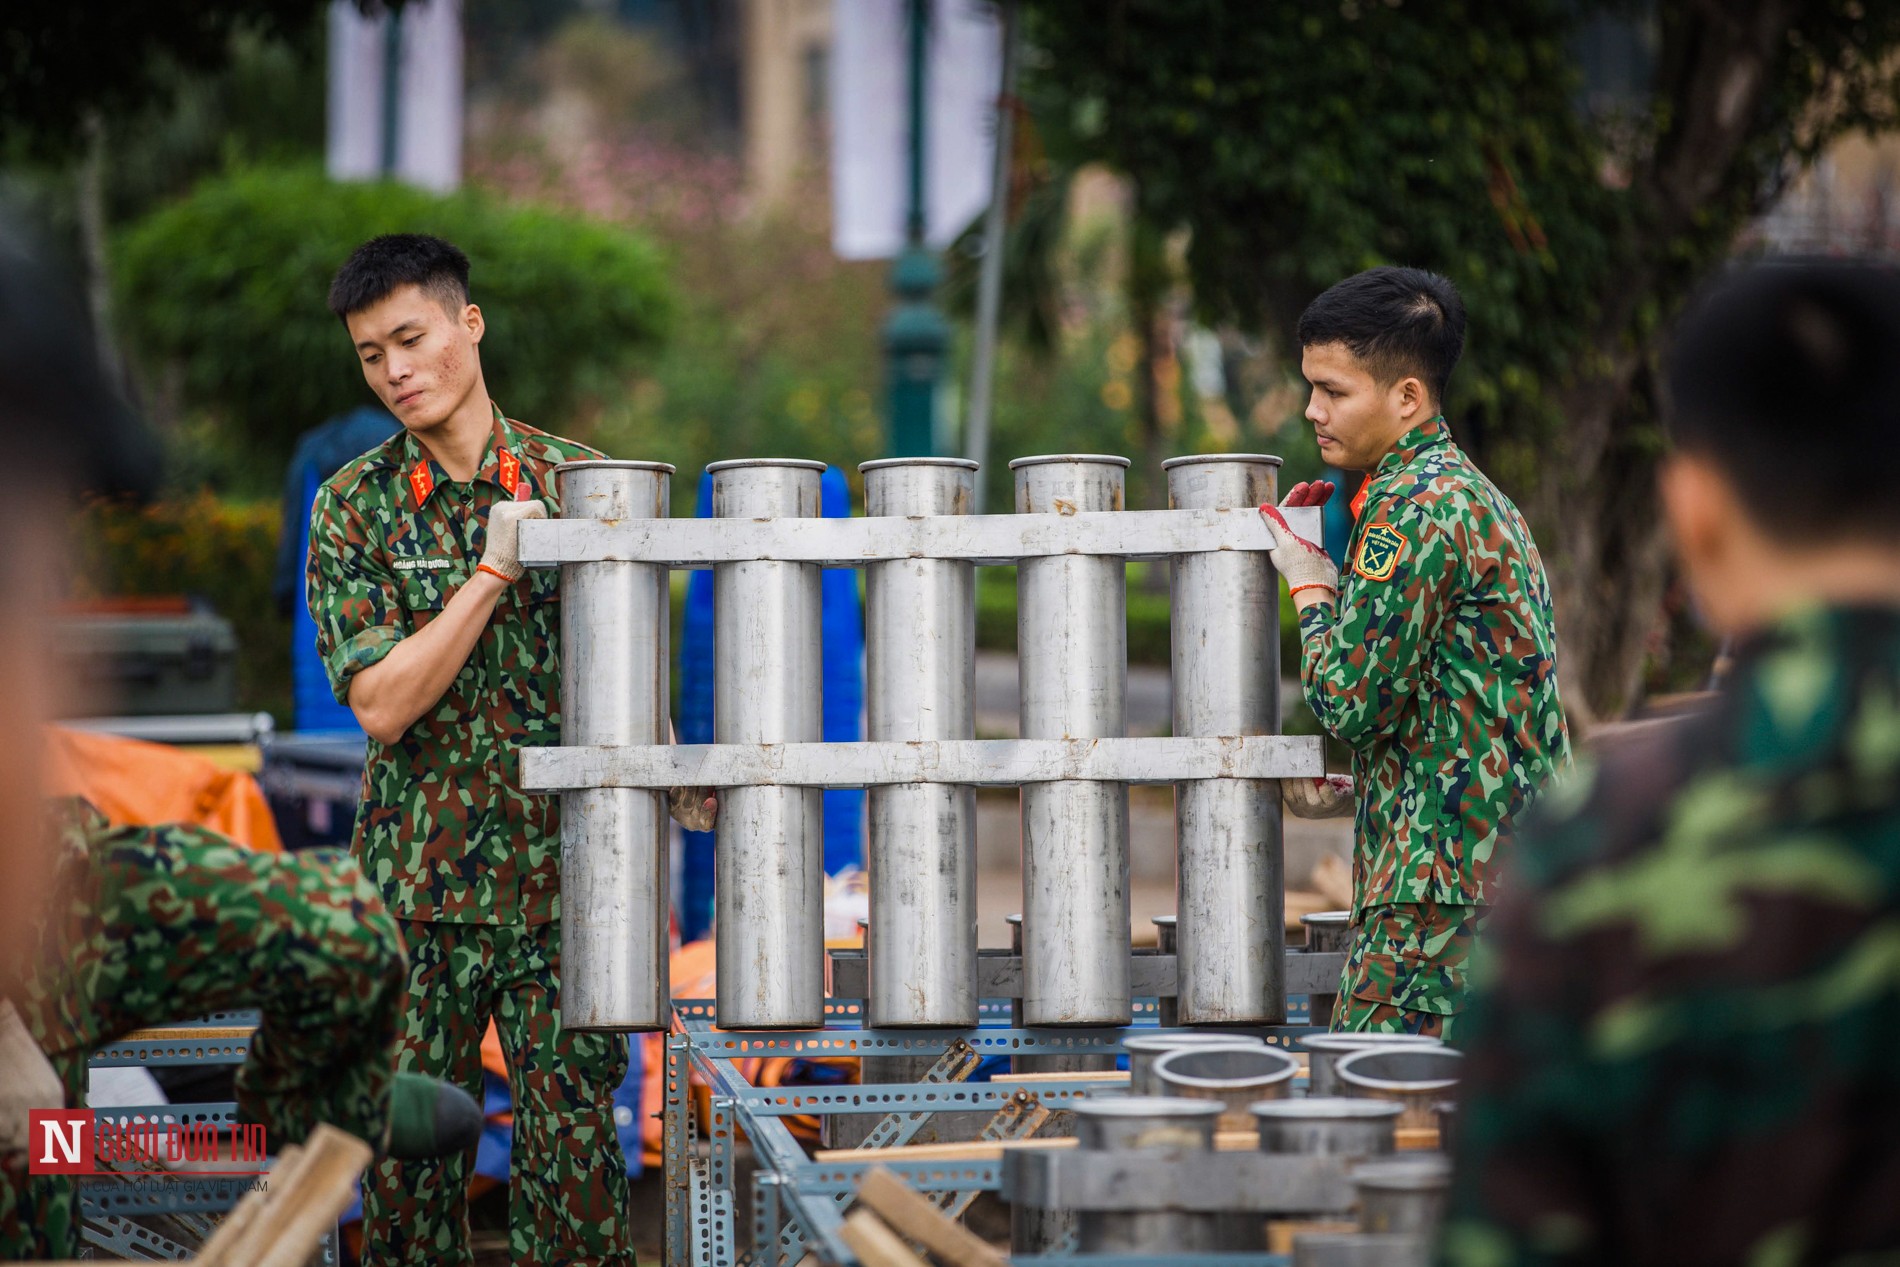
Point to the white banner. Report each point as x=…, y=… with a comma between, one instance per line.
x=870, y=121
x=429, y=102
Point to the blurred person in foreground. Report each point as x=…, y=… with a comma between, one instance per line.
x=1687, y=1048
x=105, y=929
x=1434, y=658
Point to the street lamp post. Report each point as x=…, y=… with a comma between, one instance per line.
x=915, y=334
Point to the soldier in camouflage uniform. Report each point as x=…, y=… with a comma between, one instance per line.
x=156, y=924
x=450, y=658
x=1435, y=660
x=1686, y=1046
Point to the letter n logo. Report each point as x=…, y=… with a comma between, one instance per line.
x=59, y=1141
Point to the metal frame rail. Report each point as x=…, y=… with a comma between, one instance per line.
x=798, y=1204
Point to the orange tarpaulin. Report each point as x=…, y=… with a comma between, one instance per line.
x=135, y=783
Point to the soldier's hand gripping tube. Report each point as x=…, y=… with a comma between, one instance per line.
x=1302, y=563
x=1327, y=797
x=693, y=808
x=503, y=554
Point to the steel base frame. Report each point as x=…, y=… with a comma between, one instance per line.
x=797, y=1204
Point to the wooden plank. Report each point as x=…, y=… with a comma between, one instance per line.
x=1088, y=1075
x=1280, y=1232
x=184, y=1034
x=920, y=1220
x=307, y=1188
x=1416, y=1137
x=876, y=1244
x=988, y=1150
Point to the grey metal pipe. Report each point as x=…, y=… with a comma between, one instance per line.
x=1326, y=1125
x=1144, y=1124
x=1416, y=1077
x=1167, y=1008
x=1236, y=1075
x=1403, y=1194
x=1224, y=627
x=1145, y=1049
x=614, y=681
x=1325, y=930
x=1327, y=1050
x=1072, y=654
x=920, y=683
x=769, y=851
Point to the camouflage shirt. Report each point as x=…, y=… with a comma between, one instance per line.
x=444, y=828
x=1438, y=667
x=1685, y=1039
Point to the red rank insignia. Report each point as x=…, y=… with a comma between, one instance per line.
x=421, y=481
x=510, y=471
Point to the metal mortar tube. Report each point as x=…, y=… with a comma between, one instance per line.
x=1326, y=1126
x=1325, y=930
x=1325, y=1051
x=1234, y=1075
x=1072, y=653
x=1145, y=1049
x=1167, y=1008
x=920, y=683
x=614, y=680
x=1402, y=1194
x=769, y=852
x=1143, y=1124
x=1224, y=631
x=1416, y=1077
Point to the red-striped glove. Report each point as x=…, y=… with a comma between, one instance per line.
x=1303, y=563
x=1326, y=797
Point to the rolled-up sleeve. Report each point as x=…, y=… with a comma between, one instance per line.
x=351, y=593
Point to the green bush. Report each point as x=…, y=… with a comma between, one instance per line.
x=222, y=299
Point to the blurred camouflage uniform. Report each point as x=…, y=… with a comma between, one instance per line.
x=158, y=924
x=1438, y=667
x=467, y=861
x=1684, y=1048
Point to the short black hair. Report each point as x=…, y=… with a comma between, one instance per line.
x=1786, y=377
x=382, y=265
x=1397, y=321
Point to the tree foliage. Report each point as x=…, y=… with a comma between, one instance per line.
x=222, y=296
x=1299, y=143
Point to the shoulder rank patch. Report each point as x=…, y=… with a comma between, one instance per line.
x=1379, y=552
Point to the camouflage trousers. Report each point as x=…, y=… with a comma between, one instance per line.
x=1405, y=970
x=567, y=1176
x=164, y=924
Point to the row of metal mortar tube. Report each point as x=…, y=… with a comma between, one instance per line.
x=920, y=666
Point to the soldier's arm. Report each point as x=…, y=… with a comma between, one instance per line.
x=1362, y=657
x=387, y=674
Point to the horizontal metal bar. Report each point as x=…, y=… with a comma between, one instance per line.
x=1174, y=1179
x=219, y=1112
x=926, y=1097
x=981, y=762
x=168, y=1194
x=999, y=973
x=986, y=539
x=837, y=1178
x=727, y=1045
x=223, y=1051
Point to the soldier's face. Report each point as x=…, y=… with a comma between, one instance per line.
x=1356, y=419
x=419, y=358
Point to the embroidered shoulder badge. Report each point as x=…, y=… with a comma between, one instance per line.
x=1379, y=552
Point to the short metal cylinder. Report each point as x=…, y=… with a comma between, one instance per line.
x=1072, y=656
x=1167, y=1008
x=1235, y=1075
x=1224, y=630
x=1414, y=1077
x=614, y=680
x=1402, y=1195
x=1447, y=1111
x=1145, y=1124
x=1325, y=930
x=1326, y=1126
x=767, y=684
x=1326, y=1050
x=920, y=684
x=1145, y=1049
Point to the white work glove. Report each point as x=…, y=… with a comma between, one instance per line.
x=503, y=555
x=1327, y=797
x=1304, y=564
x=693, y=808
